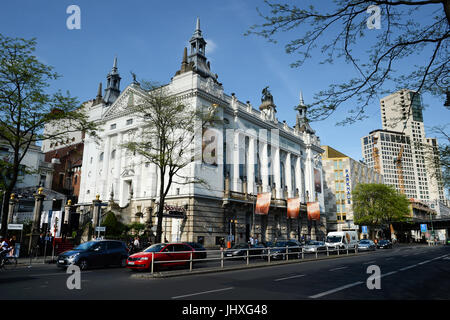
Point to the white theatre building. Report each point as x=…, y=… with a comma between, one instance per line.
x=255, y=153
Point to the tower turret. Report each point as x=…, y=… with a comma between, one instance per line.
x=112, y=90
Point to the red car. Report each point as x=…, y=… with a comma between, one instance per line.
x=164, y=254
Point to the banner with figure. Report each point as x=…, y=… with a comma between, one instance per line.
x=55, y=225
x=293, y=208
x=313, y=209
x=263, y=203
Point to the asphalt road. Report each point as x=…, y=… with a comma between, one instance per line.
x=419, y=272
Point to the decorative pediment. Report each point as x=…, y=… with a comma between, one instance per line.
x=127, y=173
x=131, y=96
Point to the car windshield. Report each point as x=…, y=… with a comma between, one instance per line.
x=281, y=244
x=313, y=243
x=383, y=241
x=85, y=246
x=364, y=242
x=155, y=248
x=334, y=239
x=240, y=246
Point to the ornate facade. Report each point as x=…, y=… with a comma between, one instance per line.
x=253, y=153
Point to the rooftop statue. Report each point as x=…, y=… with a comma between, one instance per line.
x=267, y=96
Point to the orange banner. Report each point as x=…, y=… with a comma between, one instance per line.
x=263, y=203
x=313, y=209
x=293, y=208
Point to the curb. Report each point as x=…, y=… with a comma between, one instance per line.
x=170, y=274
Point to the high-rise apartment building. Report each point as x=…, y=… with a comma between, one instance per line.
x=401, y=152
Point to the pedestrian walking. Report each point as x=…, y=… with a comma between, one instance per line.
x=136, y=243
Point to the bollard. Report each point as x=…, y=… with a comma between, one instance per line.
x=247, y=257
x=328, y=253
x=347, y=250
x=190, y=263
x=338, y=250
x=287, y=255
x=268, y=256
x=316, y=253
x=303, y=255
x=221, y=259
x=153, y=260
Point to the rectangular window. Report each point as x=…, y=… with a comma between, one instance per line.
x=129, y=121
x=112, y=126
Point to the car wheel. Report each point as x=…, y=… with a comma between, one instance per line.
x=84, y=265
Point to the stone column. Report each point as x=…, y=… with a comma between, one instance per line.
x=299, y=177
x=38, y=200
x=105, y=167
x=96, y=216
x=265, y=168
x=66, y=221
x=276, y=171
x=287, y=168
x=251, y=165
x=12, y=206
x=236, y=161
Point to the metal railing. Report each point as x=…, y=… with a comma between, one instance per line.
x=269, y=253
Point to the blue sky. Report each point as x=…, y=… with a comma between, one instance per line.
x=148, y=38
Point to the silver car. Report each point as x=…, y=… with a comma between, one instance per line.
x=314, y=246
x=366, y=245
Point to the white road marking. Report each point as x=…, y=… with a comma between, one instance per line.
x=297, y=276
x=409, y=267
x=335, y=290
x=199, y=293
x=369, y=262
x=388, y=274
x=423, y=262
x=337, y=268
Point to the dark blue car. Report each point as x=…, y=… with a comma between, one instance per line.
x=97, y=253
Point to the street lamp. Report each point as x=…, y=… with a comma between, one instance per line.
x=232, y=221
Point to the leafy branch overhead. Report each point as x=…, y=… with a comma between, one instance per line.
x=408, y=28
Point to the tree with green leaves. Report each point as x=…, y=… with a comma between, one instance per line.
x=26, y=107
x=114, y=227
x=379, y=205
x=168, y=139
x=343, y=28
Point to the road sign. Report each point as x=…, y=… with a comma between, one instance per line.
x=12, y=226
x=100, y=229
x=364, y=229
x=423, y=227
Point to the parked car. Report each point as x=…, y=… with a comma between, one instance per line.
x=278, y=249
x=200, y=251
x=240, y=250
x=384, y=244
x=97, y=253
x=312, y=246
x=164, y=255
x=366, y=245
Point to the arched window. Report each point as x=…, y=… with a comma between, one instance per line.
x=113, y=154
x=100, y=158
x=293, y=178
x=270, y=166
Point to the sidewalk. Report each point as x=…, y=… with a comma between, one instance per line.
x=38, y=260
